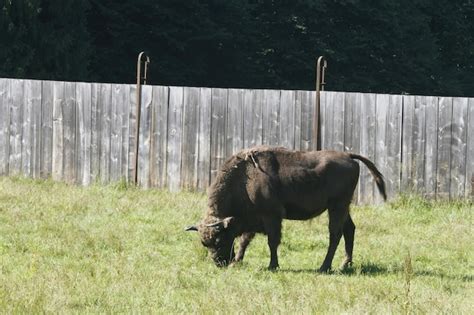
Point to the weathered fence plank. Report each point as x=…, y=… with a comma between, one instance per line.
x=190, y=149
x=16, y=123
x=408, y=152
x=271, y=117
x=287, y=119
x=116, y=132
x=469, y=186
x=352, y=122
x=69, y=129
x=58, y=131
x=253, y=121
x=323, y=120
x=132, y=128
x=352, y=127
x=36, y=129
x=5, y=105
x=297, y=104
x=83, y=133
x=337, y=107
x=31, y=128
x=305, y=101
x=125, y=131
x=443, y=173
x=104, y=103
x=234, y=122
x=218, y=129
x=393, y=141
x=382, y=104
x=95, y=132
x=119, y=145
x=204, y=158
x=175, y=137
x=145, y=137
x=46, y=143
x=327, y=121
x=388, y=141
x=431, y=142
x=419, y=136
x=458, y=148
x=367, y=147
x=159, y=136
x=332, y=112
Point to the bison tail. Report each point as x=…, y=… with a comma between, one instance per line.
x=375, y=173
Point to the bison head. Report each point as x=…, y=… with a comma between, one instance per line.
x=218, y=237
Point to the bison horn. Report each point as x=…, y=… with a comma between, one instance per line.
x=191, y=228
x=222, y=223
x=214, y=224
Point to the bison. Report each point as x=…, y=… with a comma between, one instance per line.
x=257, y=188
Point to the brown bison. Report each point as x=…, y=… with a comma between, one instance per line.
x=257, y=188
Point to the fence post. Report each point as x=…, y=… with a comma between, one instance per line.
x=321, y=66
x=138, y=108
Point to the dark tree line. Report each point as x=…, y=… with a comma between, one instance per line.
x=396, y=46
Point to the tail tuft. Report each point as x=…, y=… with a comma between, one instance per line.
x=375, y=173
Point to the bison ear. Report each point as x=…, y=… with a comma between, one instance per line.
x=227, y=222
x=191, y=228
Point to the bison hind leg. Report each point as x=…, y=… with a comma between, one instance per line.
x=338, y=214
x=348, y=232
x=272, y=226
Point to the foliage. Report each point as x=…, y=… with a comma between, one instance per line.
x=119, y=249
x=417, y=47
x=44, y=39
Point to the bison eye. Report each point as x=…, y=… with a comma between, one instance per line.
x=218, y=240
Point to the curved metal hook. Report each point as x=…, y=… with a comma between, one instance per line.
x=139, y=100
x=321, y=66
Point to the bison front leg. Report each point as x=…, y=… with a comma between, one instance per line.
x=245, y=240
x=272, y=227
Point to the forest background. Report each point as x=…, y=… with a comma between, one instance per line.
x=383, y=46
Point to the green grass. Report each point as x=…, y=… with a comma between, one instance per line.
x=117, y=249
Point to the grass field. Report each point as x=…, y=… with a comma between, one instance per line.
x=115, y=249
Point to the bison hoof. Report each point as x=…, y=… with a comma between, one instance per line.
x=324, y=269
x=235, y=263
x=346, y=265
x=273, y=267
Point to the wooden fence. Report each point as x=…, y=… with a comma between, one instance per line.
x=85, y=132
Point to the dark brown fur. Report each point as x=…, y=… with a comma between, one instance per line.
x=257, y=188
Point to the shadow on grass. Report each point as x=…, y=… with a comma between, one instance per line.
x=374, y=270
x=365, y=269
x=368, y=269
x=463, y=278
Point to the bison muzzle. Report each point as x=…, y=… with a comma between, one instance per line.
x=257, y=188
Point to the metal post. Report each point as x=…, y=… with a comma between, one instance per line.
x=321, y=66
x=138, y=107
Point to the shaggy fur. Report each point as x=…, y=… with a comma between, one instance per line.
x=257, y=188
